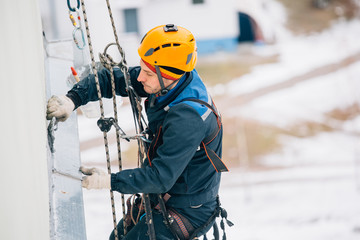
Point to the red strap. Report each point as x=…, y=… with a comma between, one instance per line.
x=180, y=223
x=164, y=75
x=165, y=198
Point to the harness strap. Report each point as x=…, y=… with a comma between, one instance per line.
x=207, y=224
x=168, y=220
x=215, y=160
x=219, y=212
x=181, y=226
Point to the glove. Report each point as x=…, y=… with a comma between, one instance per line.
x=95, y=179
x=59, y=107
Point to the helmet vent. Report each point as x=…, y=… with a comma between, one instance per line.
x=149, y=52
x=189, y=57
x=166, y=45
x=173, y=70
x=176, y=44
x=191, y=40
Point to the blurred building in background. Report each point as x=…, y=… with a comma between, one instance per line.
x=216, y=25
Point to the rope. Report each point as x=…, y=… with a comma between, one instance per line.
x=102, y=114
x=135, y=101
x=109, y=63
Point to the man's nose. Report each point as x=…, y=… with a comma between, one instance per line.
x=141, y=78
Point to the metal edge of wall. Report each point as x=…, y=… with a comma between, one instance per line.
x=67, y=218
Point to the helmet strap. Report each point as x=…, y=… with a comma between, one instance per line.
x=164, y=90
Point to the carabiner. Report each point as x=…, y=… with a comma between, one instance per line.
x=77, y=27
x=82, y=38
x=71, y=8
x=75, y=23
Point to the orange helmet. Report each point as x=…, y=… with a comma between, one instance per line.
x=171, y=48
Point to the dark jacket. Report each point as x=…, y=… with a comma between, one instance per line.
x=175, y=164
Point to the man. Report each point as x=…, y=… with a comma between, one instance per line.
x=183, y=162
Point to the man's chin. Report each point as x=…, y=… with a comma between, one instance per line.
x=148, y=90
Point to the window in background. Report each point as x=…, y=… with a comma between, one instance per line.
x=198, y=1
x=131, y=20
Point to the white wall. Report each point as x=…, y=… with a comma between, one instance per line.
x=24, y=202
x=213, y=19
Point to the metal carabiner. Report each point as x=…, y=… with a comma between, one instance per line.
x=73, y=20
x=71, y=8
x=77, y=27
x=82, y=38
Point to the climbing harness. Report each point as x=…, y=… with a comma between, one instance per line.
x=77, y=25
x=180, y=226
x=135, y=101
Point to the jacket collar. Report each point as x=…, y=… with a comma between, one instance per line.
x=162, y=101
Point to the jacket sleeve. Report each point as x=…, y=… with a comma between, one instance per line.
x=86, y=91
x=183, y=131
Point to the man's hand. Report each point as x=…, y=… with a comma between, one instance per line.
x=59, y=107
x=95, y=179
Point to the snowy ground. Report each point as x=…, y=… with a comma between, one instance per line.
x=314, y=193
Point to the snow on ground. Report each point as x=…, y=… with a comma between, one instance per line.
x=307, y=101
x=297, y=55
x=314, y=193
x=313, y=208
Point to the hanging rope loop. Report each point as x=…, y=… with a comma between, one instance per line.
x=106, y=60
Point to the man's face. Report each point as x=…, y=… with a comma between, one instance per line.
x=150, y=80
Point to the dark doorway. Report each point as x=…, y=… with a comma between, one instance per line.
x=247, y=28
